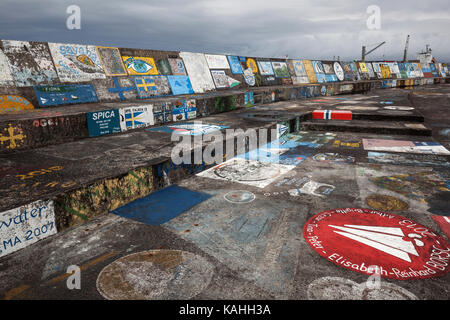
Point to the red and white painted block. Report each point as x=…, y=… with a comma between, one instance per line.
x=444, y=223
x=332, y=114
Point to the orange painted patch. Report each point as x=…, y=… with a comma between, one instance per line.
x=12, y=103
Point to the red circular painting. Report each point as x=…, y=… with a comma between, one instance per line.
x=375, y=242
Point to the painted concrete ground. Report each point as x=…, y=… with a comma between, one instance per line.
x=251, y=229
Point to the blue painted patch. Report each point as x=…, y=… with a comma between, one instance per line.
x=180, y=85
x=235, y=65
x=120, y=90
x=331, y=78
x=426, y=143
x=386, y=102
x=161, y=206
x=318, y=70
x=103, y=122
x=249, y=99
x=64, y=94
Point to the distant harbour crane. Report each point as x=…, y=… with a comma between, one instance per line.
x=405, y=53
x=364, y=53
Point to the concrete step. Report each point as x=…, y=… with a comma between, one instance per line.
x=378, y=127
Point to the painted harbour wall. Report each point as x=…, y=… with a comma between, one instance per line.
x=53, y=93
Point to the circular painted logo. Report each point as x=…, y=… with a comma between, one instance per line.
x=155, y=275
x=239, y=196
x=375, y=242
x=338, y=71
x=323, y=90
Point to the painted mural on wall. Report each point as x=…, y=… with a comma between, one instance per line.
x=76, y=63
x=152, y=86
x=249, y=77
x=328, y=69
x=280, y=69
x=136, y=117
x=216, y=61
x=162, y=112
x=164, y=67
x=309, y=68
x=251, y=63
x=103, y=122
x=338, y=71
x=26, y=225
x=249, y=99
x=184, y=110
x=298, y=71
x=115, y=88
x=232, y=82
x=111, y=61
x=220, y=79
x=177, y=67
x=140, y=65
x=385, y=71
x=198, y=71
x=180, y=85
x=377, y=70
x=65, y=94
x=235, y=65
x=265, y=68
x=12, y=103
x=318, y=70
x=6, y=77
x=355, y=70
x=30, y=63
x=370, y=70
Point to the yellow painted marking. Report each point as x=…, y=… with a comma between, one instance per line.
x=12, y=138
x=16, y=291
x=146, y=85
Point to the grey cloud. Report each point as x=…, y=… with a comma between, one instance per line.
x=304, y=29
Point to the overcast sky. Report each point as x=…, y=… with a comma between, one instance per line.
x=302, y=29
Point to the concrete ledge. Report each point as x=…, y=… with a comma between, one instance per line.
x=56, y=125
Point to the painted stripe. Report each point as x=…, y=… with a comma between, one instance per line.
x=82, y=268
x=16, y=291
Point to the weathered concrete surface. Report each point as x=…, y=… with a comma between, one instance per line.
x=255, y=244
x=55, y=125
